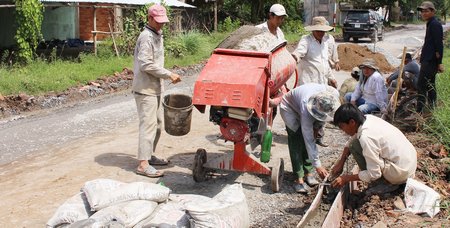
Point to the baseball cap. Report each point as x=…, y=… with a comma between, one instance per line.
x=426, y=5
x=158, y=12
x=278, y=10
x=323, y=105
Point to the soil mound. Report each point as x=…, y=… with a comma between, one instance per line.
x=351, y=55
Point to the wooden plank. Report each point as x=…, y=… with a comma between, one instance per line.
x=312, y=209
x=336, y=212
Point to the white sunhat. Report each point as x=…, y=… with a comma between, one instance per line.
x=278, y=10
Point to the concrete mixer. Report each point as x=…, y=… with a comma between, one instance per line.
x=237, y=86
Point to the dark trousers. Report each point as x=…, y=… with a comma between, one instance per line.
x=426, y=85
x=301, y=165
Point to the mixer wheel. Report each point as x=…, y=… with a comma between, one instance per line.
x=277, y=175
x=198, y=171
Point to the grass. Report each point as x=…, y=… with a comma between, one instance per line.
x=204, y=46
x=40, y=77
x=438, y=125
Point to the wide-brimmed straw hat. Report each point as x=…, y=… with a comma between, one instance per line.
x=370, y=63
x=319, y=24
x=323, y=105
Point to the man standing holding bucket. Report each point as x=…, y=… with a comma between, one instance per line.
x=149, y=75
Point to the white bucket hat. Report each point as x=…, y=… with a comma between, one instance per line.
x=319, y=24
x=323, y=105
x=278, y=10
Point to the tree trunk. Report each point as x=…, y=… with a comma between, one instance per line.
x=257, y=10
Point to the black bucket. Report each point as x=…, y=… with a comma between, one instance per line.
x=177, y=114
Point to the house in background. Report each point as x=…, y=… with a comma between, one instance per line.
x=87, y=20
x=325, y=8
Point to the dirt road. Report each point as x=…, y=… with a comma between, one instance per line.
x=45, y=158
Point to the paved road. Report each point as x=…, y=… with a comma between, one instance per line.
x=21, y=137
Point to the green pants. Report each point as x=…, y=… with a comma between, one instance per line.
x=301, y=165
x=356, y=151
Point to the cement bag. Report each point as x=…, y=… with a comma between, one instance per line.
x=172, y=213
x=74, y=209
x=91, y=223
x=227, y=209
x=420, y=198
x=129, y=213
x=100, y=198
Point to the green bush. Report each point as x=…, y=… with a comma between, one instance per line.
x=293, y=26
x=174, y=48
x=191, y=41
x=105, y=49
x=228, y=25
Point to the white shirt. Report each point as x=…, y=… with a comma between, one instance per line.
x=265, y=28
x=313, y=57
x=373, y=91
x=294, y=113
x=387, y=152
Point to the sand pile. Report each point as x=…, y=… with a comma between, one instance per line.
x=351, y=55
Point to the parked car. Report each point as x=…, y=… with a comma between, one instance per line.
x=362, y=23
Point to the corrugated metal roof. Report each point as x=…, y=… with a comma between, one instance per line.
x=171, y=3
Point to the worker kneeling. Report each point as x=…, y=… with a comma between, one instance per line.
x=384, y=155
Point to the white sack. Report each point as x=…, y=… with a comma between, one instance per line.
x=128, y=213
x=420, y=198
x=172, y=213
x=100, y=197
x=74, y=209
x=227, y=209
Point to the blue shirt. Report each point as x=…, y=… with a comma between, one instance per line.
x=433, y=42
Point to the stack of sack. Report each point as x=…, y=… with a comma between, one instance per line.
x=110, y=203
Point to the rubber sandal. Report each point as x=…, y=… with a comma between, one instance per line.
x=150, y=171
x=157, y=161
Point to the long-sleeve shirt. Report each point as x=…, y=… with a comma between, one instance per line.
x=265, y=28
x=148, y=68
x=332, y=51
x=387, y=152
x=411, y=67
x=433, y=44
x=373, y=90
x=313, y=57
x=295, y=114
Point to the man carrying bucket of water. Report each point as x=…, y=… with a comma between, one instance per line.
x=149, y=75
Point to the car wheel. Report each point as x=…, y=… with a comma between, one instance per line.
x=355, y=39
x=346, y=37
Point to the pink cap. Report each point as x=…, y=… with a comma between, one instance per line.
x=158, y=12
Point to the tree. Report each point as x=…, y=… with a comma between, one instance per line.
x=29, y=16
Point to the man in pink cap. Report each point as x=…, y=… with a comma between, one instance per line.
x=149, y=75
